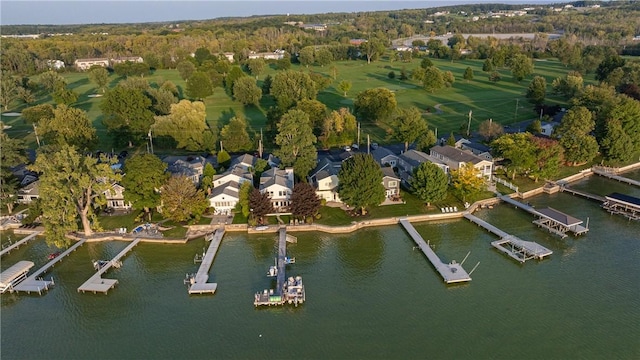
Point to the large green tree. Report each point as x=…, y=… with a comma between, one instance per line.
x=185, y=69
x=256, y=66
x=537, y=90
x=408, y=126
x=33, y=114
x=304, y=201
x=466, y=182
x=12, y=153
x=574, y=135
x=73, y=186
x=199, y=86
x=69, y=126
x=519, y=150
x=234, y=135
x=8, y=91
x=316, y=110
x=375, y=105
x=549, y=157
x=127, y=112
x=246, y=91
x=289, y=87
x=521, y=67
x=186, y=124
x=429, y=182
x=296, y=142
x=144, y=175
x=360, y=182
x=344, y=86
x=99, y=76
x=182, y=201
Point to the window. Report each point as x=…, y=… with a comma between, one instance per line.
x=393, y=184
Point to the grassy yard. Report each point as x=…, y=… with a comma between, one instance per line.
x=484, y=98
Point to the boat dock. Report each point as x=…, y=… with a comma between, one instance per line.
x=452, y=272
x=625, y=205
x=554, y=221
x=19, y=243
x=14, y=275
x=35, y=283
x=96, y=283
x=200, y=284
x=611, y=174
x=291, y=291
x=584, y=194
x=518, y=249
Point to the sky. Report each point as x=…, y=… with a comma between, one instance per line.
x=54, y=12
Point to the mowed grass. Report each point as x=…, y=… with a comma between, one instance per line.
x=480, y=96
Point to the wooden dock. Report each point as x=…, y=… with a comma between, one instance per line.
x=584, y=194
x=19, y=243
x=14, y=275
x=554, y=221
x=511, y=245
x=34, y=283
x=621, y=204
x=200, y=284
x=612, y=175
x=96, y=283
x=452, y=272
x=282, y=254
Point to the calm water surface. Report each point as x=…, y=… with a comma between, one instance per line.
x=369, y=295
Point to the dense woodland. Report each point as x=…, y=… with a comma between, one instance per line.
x=598, y=84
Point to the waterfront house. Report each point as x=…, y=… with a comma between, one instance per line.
x=29, y=193
x=224, y=198
x=245, y=162
x=456, y=158
x=115, y=198
x=411, y=159
x=385, y=157
x=324, y=179
x=391, y=182
x=278, y=184
x=235, y=174
x=189, y=166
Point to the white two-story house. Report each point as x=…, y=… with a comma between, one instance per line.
x=279, y=185
x=456, y=158
x=324, y=178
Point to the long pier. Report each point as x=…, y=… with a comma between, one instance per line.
x=200, y=284
x=33, y=283
x=452, y=272
x=19, y=243
x=282, y=254
x=519, y=250
x=614, y=176
x=584, y=194
x=96, y=283
x=551, y=219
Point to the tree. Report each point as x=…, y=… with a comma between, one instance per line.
x=339, y=128
x=535, y=127
x=246, y=91
x=494, y=76
x=266, y=85
x=8, y=91
x=186, y=124
x=360, y=182
x=25, y=95
x=372, y=49
x=521, y=67
x=408, y=126
x=144, y=175
x=69, y=126
x=296, y=142
x=305, y=56
x=202, y=54
x=617, y=143
x=451, y=140
x=425, y=63
x=50, y=79
x=234, y=135
x=127, y=111
x=304, y=201
x=74, y=185
x=433, y=79
x=161, y=100
x=185, y=69
x=208, y=173
x=316, y=111
x=608, y=65
x=181, y=201
x=234, y=74
x=468, y=74
x=549, y=157
x=12, y=153
x=466, y=181
x=62, y=95
x=518, y=149
x=243, y=198
x=344, y=86
x=259, y=205
x=99, y=76
x=429, y=182
x=375, y=105
x=33, y=114
x=488, y=66
x=490, y=130
x=323, y=56
x=570, y=85
x=574, y=135
x=289, y=87
x=199, y=86
x=256, y=66
x=426, y=141
x=224, y=158
x=537, y=90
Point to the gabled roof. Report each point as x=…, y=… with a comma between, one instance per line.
x=230, y=189
x=380, y=153
x=31, y=189
x=235, y=171
x=246, y=159
x=387, y=171
x=414, y=157
x=456, y=155
x=324, y=169
x=277, y=176
x=560, y=217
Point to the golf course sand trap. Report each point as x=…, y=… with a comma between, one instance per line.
x=95, y=95
x=11, y=114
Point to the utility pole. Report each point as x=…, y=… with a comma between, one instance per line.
x=35, y=131
x=368, y=144
x=260, y=145
x=469, y=124
x=516, y=114
x=358, y=133
x=221, y=148
x=151, y=141
x=540, y=114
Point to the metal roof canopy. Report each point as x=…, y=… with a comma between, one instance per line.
x=558, y=216
x=21, y=267
x=622, y=198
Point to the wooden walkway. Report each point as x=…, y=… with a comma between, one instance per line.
x=452, y=272
x=517, y=249
x=553, y=220
x=96, y=283
x=584, y=194
x=19, y=243
x=35, y=283
x=614, y=176
x=282, y=254
x=200, y=285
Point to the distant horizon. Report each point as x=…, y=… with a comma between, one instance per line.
x=53, y=12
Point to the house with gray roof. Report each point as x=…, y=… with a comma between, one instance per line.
x=324, y=178
x=189, y=166
x=245, y=161
x=384, y=156
x=391, y=182
x=411, y=159
x=278, y=184
x=224, y=198
x=29, y=193
x=456, y=158
x=236, y=174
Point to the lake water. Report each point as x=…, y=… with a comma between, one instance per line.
x=369, y=295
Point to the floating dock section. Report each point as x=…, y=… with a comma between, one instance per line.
x=291, y=291
x=200, y=284
x=19, y=243
x=554, y=221
x=511, y=245
x=452, y=272
x=35, y=283
x=612, y=175
x=625, y=205
x=96, y=283
x=14, y=275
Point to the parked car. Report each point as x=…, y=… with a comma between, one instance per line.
x=374, y=146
